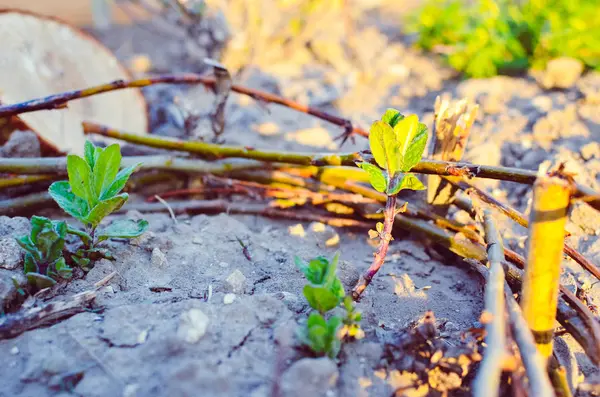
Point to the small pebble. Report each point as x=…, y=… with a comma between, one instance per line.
x=14, y=351
x=131, y=390
x=158, y=258
x=193, y=325
x=236, y=282
x=228, y=299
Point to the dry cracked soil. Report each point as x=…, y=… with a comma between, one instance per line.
x=191, y=313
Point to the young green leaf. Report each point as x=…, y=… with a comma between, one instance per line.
x=119, y=181
x=376, y=176
x=404, y=181
x=64, y=197
x=314, y=335
x=103, y=208
x=331, y=280
x=49, y=237
x=314, y=271
x=28, y=245
x=125, y=228
x=89, y=154
x=320, y=298
x=62, y=269
x=86, y=239
x=322, y=335
x=384, y=147
x=80, y=178
x=412, y=139
x=81, y=261
x=17, y=285
x=99, y=253
x=39, y=280
x=392, y=117
x=30, y=265
x=37, y=225
x=106, y=169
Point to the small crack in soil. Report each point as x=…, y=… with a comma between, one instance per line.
x=259, y=281
x=242, y=342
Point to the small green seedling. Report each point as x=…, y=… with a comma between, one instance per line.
x=324, y=292
x=44, y=260
x=92, y=192
x=397, y=144
x=321, y=335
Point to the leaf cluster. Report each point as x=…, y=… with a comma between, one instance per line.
x=43, y=247
x=489, y=37
x=324, y=292
x=397, y=144
x=92, y=192
x=95, y=182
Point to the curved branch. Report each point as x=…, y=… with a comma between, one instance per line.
x=59, y=101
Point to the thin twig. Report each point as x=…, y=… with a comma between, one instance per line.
x=487, y=382
x=558, y=375
x=6, y=183
x=220, y=206
x=167, y=206
x=572, y=314
x=19, y=205
x=521, y=220
x=272, y=188
x=535, y=365
x=58, y=165
x=59, y=101
x=437, y=167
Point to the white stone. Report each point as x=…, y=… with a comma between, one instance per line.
x=158, y=259
x=228, y=299
x=236, y=282
x=193, y=325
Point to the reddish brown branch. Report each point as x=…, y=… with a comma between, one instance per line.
x=385, y=237
x=59, y=101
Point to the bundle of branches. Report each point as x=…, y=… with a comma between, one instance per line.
x=330, y=188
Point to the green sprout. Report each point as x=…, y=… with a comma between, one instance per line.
x=44, y=260
x=324, y=292
x=321, y=335
x=92, y=192
x=397, y=144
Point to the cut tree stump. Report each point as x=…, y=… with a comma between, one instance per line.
x=42, y=56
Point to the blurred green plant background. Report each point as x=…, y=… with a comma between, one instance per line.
x=484, y=38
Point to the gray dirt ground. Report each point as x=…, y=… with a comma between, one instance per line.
x=164, y=328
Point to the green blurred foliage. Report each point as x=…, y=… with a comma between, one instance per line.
x=484, y=38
